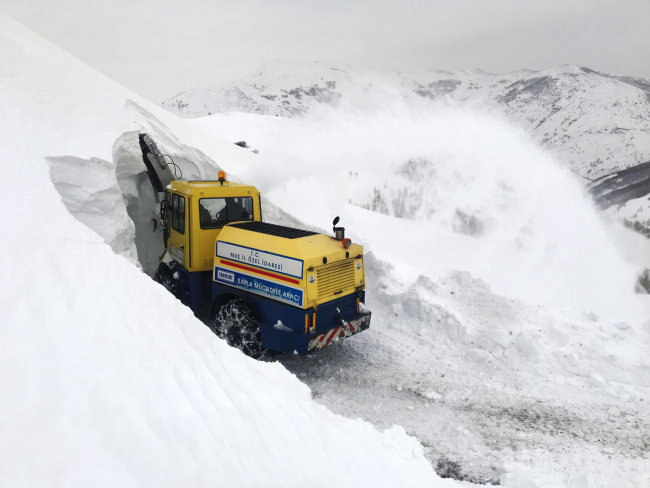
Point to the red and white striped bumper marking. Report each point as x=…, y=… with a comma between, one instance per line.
x=347, y=329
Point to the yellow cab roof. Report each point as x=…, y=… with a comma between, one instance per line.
x=212, y=188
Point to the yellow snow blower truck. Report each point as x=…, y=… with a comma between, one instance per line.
x=269, y=286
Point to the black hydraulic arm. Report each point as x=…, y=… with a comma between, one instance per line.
x=157, y=168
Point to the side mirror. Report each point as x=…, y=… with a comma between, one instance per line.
x=164, y=207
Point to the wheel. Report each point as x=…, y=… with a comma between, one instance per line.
x=166, y=278
x=235, y=322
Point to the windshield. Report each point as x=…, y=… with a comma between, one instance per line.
x=216, y=212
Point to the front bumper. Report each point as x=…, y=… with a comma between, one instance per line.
x=289, y=341
x=346, y=329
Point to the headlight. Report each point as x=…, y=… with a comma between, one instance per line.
x=312, y=278
x=358, y=264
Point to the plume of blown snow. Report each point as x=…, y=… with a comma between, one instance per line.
x=472, y=192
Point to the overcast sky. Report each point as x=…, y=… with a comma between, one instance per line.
x=161, y=47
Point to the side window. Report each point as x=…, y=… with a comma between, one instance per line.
x=174, y=211
x=178, y=213
x=166, y=218
x=214, y=213
x=181, y=214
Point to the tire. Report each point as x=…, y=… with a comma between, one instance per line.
x=235, y=322
x=166, y=279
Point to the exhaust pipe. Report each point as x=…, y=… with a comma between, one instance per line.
x=339, y=234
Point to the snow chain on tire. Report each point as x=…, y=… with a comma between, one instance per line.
x=235, y=322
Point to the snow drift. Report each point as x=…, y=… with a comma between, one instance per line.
x=107, y=380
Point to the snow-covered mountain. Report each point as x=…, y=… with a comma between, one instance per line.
x=594, y=122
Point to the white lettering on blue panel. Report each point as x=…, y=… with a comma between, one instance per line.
x=225, y=276
x=259, y=286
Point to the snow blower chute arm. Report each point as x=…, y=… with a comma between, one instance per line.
x=157, y=168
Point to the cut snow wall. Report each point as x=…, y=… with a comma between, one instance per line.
x=116, y=199
x=139, y=199
x=138, y=193
x=89, y=190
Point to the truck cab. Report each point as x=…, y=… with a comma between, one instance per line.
x=198, y=211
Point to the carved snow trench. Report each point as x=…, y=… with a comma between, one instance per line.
x=116, y=200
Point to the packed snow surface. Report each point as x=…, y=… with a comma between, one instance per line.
x=107, y=380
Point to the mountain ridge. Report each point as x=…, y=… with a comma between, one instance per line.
x=594, y=122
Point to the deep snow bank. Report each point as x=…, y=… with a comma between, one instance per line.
x=107, y=380
x=453, y=309
x=485, y=198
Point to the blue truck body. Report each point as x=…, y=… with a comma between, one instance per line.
x=198, y=289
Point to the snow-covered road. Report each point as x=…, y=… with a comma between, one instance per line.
x=477, y=417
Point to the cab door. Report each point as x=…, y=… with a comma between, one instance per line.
x=178, y=242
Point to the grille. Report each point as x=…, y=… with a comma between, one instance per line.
x=274, y=230
x=335, y=277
